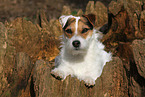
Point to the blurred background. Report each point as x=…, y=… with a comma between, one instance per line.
x=10, y=9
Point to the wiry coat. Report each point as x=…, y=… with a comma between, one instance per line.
x=85, y=63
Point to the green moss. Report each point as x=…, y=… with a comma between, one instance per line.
x=8, y=94
x=74, y=12
x=26, y=18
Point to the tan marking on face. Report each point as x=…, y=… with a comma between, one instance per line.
x=71, y=27
x=81, y=26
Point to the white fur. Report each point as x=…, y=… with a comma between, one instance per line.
x=86, y=63
x=77, y=19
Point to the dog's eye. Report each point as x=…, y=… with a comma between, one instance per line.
x=69, y=31
x=85, y=30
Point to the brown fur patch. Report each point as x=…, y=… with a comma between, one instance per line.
x=83, y=29
x=91, y=18
x=70, y=25
x=82, y=24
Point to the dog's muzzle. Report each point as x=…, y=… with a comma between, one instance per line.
x=76, y=44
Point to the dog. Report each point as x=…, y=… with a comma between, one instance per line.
x=82, y=55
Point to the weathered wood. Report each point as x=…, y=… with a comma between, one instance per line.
x=24, y=45
x=110, y=83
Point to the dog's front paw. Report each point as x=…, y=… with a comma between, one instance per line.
x=58, y=74
x=89, y=82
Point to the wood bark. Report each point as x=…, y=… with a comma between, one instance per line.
x=27, y=53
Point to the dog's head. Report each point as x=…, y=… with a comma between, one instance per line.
x=78, y=32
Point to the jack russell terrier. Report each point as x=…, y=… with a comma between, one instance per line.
x=82, y=55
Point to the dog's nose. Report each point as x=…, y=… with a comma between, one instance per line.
x=76, y=43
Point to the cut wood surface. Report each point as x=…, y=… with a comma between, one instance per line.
x=27, y=52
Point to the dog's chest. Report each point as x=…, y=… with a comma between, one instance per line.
x=81, y=65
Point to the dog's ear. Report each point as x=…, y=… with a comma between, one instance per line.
x=91, y=18
x=63, y=19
